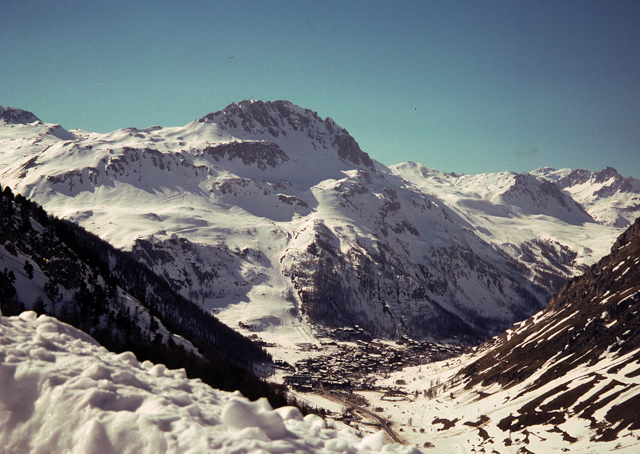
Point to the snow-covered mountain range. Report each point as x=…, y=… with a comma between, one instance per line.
x=271, y=216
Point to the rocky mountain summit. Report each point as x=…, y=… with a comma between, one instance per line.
x=10, y=115
x=282, y=118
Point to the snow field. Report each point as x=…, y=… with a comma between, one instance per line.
x=60, y=392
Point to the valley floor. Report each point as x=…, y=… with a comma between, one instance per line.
x=427, y=406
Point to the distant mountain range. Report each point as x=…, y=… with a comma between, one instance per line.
x=271, y=216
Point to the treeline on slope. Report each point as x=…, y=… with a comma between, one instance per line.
x=72, y=258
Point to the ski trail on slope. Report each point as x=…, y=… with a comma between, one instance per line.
x=279, y=285
x=272, y=310
x=173, y=198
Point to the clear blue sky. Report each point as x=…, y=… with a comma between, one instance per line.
x=463, y=86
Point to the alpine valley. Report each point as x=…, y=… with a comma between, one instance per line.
x=276, y=221
x=364, y=285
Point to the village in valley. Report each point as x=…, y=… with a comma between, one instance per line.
x=347, y=360
x=348, y=375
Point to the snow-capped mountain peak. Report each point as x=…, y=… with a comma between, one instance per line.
x=282, y=119
x=609, y=197
x=11, y=115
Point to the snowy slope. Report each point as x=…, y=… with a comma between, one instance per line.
x=55, y=267
x=527, y=216
x=24, y=240
x=63, y=393
x=567, y=379
x=271, y=216
x=609, y=197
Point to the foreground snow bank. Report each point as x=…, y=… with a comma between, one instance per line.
x=61, y=392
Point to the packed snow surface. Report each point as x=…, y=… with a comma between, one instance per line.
x=60, y=392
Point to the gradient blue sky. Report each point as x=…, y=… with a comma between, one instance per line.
x=460, y=86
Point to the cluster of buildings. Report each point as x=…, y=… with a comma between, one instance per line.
x=354, y=366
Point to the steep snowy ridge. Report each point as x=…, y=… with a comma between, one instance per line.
x=592, y=326
x=592, y=314
x=544, y=198
x=274, y=217
x=608, y=196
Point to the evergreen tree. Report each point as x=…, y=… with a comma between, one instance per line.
x=39, y=306
x=52, y=291
x=7, y=294
x=28, y=268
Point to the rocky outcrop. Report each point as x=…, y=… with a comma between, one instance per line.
x=12, y=116
x=349, y=150
x=282, y=118
x=262, y=154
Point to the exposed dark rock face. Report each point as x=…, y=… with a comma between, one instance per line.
x=262, y=154
x=12, y=116
x=349, y=150
x=254, y=116
x=194, y=270
x=377, y=290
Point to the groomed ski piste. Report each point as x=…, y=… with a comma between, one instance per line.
x=63, y=393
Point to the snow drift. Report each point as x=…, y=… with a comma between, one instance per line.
x=60, y=392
